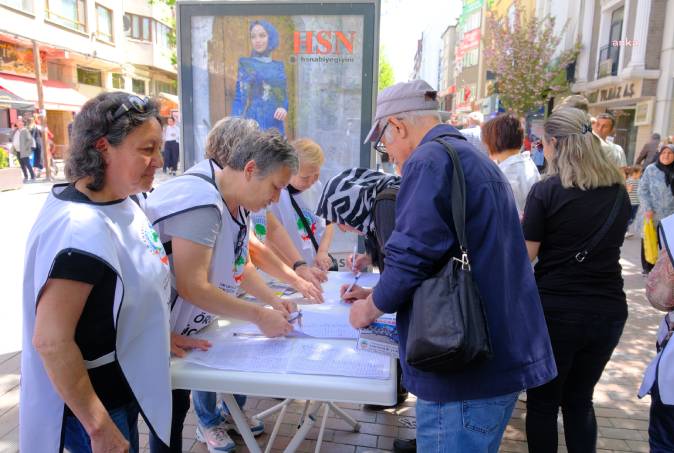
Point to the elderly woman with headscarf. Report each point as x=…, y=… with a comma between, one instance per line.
x=261, y=85
x=656, y=192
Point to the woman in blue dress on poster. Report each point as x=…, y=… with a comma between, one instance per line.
x=261, y=92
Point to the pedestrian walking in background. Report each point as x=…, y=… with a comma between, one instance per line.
x=656, y=193
x=604, y=127
x=171, y=146
x=473, y=131
x=574, y=223
x=503, y=137
x=632, y=185
x=22, y=142
x=36, y=149
x=649, y=152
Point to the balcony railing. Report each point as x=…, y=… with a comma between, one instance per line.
x=608, y=61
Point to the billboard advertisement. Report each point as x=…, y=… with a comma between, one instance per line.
x=306, y=69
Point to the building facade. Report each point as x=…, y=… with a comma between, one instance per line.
x=626, y=66
x=447, y=86
x=85, y=47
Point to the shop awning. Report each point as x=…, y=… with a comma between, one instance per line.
x=9, y=100
x=168, y=102
x=57, y=95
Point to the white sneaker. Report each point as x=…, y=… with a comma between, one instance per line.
x=256, y=425
x=216, y=438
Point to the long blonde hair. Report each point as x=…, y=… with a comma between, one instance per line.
x=579, y=159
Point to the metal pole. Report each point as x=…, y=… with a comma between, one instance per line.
x=43, y=112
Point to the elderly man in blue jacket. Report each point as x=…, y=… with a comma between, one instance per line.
x=468, y=410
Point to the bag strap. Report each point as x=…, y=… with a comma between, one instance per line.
x=458, y=202
x=303, y=220
x=592, y=243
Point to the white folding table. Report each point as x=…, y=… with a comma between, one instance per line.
x=320, y=390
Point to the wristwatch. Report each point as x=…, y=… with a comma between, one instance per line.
x=298, y=263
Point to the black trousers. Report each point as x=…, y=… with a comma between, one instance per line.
x=26, y=168
x=181, y=405
x=171, y=155
x=661, y=424
x=582, y=344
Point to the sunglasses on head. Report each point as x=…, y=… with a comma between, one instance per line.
x=132, y=103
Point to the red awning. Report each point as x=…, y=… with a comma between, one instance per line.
x=57, y=95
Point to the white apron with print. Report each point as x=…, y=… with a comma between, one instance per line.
x=258, y=224
x=189, y=192
x=287, y=215
x=120, y=235
x=663, y=363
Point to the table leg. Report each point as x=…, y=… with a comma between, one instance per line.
x=346, y=417
x=321, y=431
x=241, y=423
x=308, y=422
x=277, y=425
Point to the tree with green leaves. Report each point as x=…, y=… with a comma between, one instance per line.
x=386, y=75
x=519, y=49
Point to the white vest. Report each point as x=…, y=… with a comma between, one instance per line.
x=189, y=192
x=120, y=235
x=287, y=215
x=663, y=362
x=258, y=224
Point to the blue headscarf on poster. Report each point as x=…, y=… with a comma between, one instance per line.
x=261, y=84
x=272, y=37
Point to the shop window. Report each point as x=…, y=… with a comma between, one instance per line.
x=118, y=81
x=103, y=23
x=88, y=76
x=138, y=86
x=69, y=13
x=24, y=5
x=138, y=27
x=165, y=87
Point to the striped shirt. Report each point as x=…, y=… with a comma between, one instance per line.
x=634, y=192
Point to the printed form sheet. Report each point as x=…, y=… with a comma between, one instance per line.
x=299, y=356
x=308, y=350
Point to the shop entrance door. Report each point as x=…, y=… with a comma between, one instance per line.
x=625, y=132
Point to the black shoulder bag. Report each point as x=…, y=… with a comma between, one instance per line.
x=594, y=240
x=307, y=228
x=448, y=325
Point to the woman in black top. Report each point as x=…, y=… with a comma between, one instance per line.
x=574, y=223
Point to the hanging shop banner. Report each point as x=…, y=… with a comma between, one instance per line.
x=305, y=69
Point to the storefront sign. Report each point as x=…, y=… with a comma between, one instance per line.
x=643, y=113
x=19, y=60
x=470, y=40
x=619, y=92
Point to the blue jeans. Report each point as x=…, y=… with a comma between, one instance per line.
x=76, y=439
x=207, y=409
x=470, y=425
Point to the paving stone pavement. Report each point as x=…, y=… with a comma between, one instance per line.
x=622, y=418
